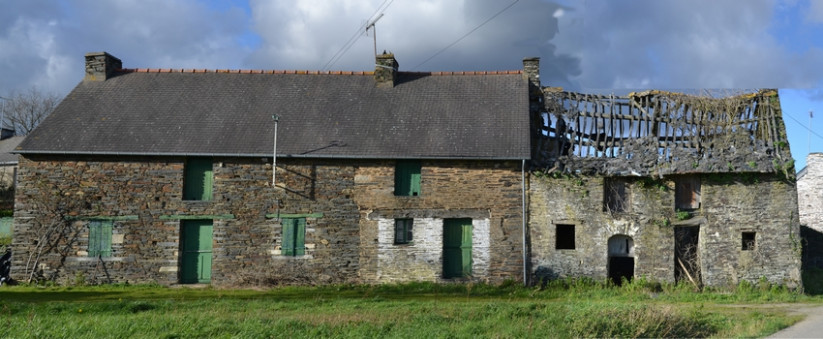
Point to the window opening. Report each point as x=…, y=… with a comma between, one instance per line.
x=407, y=178
x=564, y=237
x=615, y=195
x=197, y=179
x=749, y=241
x=687, y=194
x=403, y=231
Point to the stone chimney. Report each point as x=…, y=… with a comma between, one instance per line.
x=100, y=66
x=531, y=72
x=385, y=70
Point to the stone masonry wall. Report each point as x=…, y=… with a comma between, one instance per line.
x=488, y=192
x=342, y=202
x=810, y=193
x=144, y=197
x=730, y=204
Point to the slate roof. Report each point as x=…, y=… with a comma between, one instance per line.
x=339, y=115
x=6, y=147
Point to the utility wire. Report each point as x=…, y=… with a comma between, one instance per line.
x=467, y=34
x=804, y=126
x=349, y=43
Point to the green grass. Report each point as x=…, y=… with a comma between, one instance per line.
x=566, y=308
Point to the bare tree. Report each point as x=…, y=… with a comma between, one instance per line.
x=23, y=111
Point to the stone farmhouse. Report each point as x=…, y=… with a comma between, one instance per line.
x=298, y=177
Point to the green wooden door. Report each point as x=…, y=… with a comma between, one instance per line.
x=197, y=249
x=457, y=248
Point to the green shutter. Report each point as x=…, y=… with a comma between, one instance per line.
x=94, y=238
x=105, y=239
x=300, y=237
x=407, y=178
x=294, y=236
x=198, y=179
x=100, y=238
x=288, y=236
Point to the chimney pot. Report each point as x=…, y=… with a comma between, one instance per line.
x=101, y=66
x=385, y=70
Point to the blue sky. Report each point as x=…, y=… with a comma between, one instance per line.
x=584, y=45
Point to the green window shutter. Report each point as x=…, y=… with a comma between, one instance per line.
x=94, y=238
x=300, y=237
x=100, y=238
x=105, y=239
x=288, y=237
x=198, y=179
x=407, y=178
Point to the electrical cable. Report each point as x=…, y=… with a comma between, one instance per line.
x=465, y=35
x=349, y=43
x=804, y=126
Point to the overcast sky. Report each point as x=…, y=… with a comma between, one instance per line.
x=583, y=45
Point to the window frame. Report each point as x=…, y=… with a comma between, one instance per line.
x=99, y=242
x=405, y=227
x=293, y=237
x=569, y=237
x=407, y=178
x=198, y=181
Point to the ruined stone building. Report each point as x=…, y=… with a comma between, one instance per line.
x=168, y=176
x=664, y=185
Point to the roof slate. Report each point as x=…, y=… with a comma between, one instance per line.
x=320, y=115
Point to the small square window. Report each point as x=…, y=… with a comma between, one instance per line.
x=749, y=241
x=403, y=231
x=564, y=237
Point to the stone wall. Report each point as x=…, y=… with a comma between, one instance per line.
x=488, y=192
x=343, y=202
x=760, y=203
x=810, y=192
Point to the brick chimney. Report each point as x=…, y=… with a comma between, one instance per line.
x=385, y=70
x=100, y=66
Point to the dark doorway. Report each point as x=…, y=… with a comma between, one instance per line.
x=621, y=268
x=621, y=258
x=686, y=262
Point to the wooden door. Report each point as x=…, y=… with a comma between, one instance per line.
x=196, y=251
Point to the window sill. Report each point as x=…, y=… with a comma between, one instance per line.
x=95, y=259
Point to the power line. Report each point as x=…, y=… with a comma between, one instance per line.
x=804, y=126
x=349, y=43
x=467, y=34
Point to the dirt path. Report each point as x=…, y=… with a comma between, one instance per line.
x=811, y=327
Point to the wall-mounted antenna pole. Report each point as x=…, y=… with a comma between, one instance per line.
x=809, y=147
x=374, y=31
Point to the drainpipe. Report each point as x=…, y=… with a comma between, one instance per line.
x=523, y=218
x=276, y=118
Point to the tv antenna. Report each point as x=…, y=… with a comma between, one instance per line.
x=374, y=31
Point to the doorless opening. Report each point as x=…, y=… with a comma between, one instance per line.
x=686, y=263
x=621, y=259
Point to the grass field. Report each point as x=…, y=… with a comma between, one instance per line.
x=415, y=310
